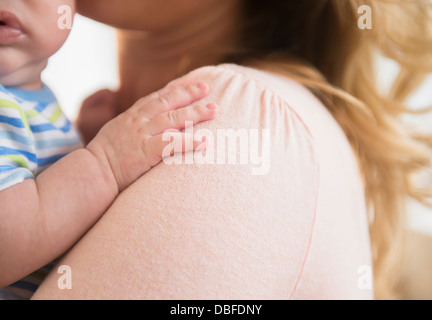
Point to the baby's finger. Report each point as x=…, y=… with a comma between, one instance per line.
x=176, y=119
x=170, y=143
x=171, y=99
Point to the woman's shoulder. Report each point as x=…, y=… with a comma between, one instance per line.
x=238, y=76
x=263, y=78
x=267, y=94
x=255, y=112
x=251, y=99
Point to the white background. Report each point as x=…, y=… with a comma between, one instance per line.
x=88, y=62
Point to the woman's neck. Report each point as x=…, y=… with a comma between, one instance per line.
x=150, y=60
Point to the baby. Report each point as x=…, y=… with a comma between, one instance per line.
x=52, y=189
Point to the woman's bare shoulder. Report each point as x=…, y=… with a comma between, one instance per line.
x=232, y=222
x=236, y=76
x=254, y=90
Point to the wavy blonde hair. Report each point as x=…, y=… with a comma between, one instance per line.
x=319, y=44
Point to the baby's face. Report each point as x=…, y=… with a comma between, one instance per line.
x=30, y=32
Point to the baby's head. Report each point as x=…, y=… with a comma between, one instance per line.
x=29, y=34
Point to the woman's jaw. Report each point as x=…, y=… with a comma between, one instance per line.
x=149, y=15
x=155, y=53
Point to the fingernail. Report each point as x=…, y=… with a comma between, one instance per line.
x=211, y=106
x=203, y=144
x=202, y=86
x=198, y=138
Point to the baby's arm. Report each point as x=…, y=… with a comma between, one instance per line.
x=42, y=218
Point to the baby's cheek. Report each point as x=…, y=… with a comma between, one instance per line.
x=50, y=32
x=51, y=39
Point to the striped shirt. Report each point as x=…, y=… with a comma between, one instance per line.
x=34, y=134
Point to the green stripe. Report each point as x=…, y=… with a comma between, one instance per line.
x=31, y=113
x=21, y=161
x=55, y=115
x=6, y=104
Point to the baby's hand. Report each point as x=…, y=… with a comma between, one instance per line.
x=132, y=143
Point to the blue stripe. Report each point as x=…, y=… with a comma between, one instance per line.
x=7, y=168
x=66, y=128
x=3, y=89
x=56, y=143
x=42, y=96
x=8, y=151
x=20, y=174
x=40, y=145
x=42, y=128
x=42, y=106
x=25, y=285
x=9, y=135
x=50, y=127
x=46, y=161
x=5, y=295
x=15, y=122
